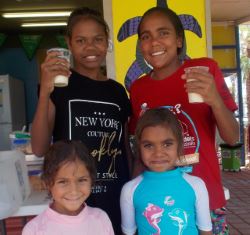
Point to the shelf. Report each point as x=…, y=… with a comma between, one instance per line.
x=224, y=47
x=232, y=70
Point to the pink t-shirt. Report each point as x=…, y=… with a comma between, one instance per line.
x=90, y=221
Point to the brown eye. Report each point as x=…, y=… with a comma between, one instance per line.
x=164, y=33
x=144, y=37
x=147, y=145
x=62, y=182
x=82, y=180
x=80, y=41
x=99, y=39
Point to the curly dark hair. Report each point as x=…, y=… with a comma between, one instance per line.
x=62, y=152
x=85, y=13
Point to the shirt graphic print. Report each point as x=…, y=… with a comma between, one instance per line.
x=98, y=125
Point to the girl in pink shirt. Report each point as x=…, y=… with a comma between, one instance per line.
x=69, y=173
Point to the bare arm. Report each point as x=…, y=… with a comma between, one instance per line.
x=43, y=123
x=227, y=124
x=42, y=126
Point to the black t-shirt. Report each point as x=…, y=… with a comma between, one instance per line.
x=95, y=113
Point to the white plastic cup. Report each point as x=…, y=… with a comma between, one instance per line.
x=61, y=80
x=192, y=96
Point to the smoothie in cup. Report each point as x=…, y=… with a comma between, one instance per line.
x=61, y=80
x=194, y=97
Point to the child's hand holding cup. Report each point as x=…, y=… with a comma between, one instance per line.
x=195, y=97
x=61, y=80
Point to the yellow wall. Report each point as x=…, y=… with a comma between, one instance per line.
x=226, y=58
x=224, y=35
x=124, y=10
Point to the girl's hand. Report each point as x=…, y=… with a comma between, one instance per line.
x=52, y=66
x=202, y=84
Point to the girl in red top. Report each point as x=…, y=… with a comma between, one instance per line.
x=161, y=39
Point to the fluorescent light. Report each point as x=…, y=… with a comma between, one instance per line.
x=36, y=14
x=43, y=24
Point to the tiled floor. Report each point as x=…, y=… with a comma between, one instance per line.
x=238, y=205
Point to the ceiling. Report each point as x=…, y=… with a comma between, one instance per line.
x=40, y=5
x=236, y=11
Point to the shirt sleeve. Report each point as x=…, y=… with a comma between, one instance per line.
x=107, y=224
x=128, y=224
x=202, y=207
x=125, y=104
x=133, y=118
x=203, y=218
x=28, y=230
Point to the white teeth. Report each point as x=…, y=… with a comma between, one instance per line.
x=158, y=53
x=91, y=57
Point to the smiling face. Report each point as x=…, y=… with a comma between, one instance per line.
x=159, y=42
x=158, y=148
x=88, y=44
x=72, y=186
